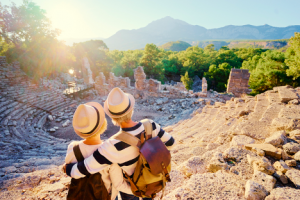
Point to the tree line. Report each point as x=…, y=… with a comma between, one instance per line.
x=28, y=37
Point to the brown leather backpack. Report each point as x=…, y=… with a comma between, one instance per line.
x=154, y=164
x=90, y=187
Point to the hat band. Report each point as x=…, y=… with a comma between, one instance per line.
x=98, y=119
x=124, y=111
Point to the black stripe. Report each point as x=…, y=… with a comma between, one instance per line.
x=124, y=111
x=170, y=142
x=130, y=162
x=132, y=128
x=81, y=167
x=69, y=168
x=153, y=126
x=98, y=119
x=100, y=158
x=161, y=133
x=122, y=145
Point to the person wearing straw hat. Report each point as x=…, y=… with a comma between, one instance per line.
x=89, y=123
x=119, y=107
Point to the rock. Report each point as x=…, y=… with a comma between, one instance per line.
x=171, y=116
x=258, y=151
x=265, y=180
x=261, y=164
x=241, y=140
x=9, y=170
x=50, y=117
x=192, y=166
x=295, y=134
x=287, y=94
x=281, y=166
x=66, y=123
x=255, y=191
x=284, y=155
x=294, y=102
x=269, y=149
x=52, y=129
x=277, y=139
x=291, y=163
x=284, y=193
x=280, y=176
x=297, y=156
x=217, y=163
x=55, y=127
x=291, y=148
x=294, y=176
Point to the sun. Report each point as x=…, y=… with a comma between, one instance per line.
x=71, y=71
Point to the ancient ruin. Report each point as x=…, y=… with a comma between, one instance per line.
x=238, y=82
x=86, y=71
x=143, y=87
x=226, y=147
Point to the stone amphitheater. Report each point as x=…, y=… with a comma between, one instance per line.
x=243, y=148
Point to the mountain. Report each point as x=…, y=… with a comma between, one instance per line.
x=175, y=46
x=71, y=41
x=168, y=29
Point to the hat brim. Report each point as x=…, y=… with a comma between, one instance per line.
x=132, y=103
x=101, y=121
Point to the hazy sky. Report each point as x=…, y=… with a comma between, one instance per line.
x=98, y=18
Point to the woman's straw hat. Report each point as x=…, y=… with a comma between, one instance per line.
x=118, y=103
x=88, y=119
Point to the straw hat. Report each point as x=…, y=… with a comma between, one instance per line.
x=118, y=103
x=88, y=119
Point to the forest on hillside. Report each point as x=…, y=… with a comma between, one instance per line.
x=27, y=36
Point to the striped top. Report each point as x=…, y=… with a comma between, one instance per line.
x=116, y=151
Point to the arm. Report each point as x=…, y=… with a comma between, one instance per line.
x=117, y=180
x=91, y=165
x=164, y=136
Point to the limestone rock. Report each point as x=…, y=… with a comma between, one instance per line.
x=241, y=140
x=192, y=166
x=265, y=180
x=217, y=163
x=278, y=138
x=261, y=164
x=295, y=134
x=52, y=129
x=284, y=155
x=258, y=151
x=281, y=166
x=294, y=176
x=297, y=156
x=291, y=148
x=280, y=176
x=284, y=193
x=287, y=94
x=255, y=191
x=269, y=149
x=291, y=163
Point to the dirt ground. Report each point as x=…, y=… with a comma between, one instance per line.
x=140, y=113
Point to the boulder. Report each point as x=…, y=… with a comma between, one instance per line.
x=297, y=156
x=291, y=148
x=269, y=149
x=255, y=191
x=286, y=94
x=280, y=176
x=261, y=164
x=265, y=180
x=281, y=166
x=284, y=155
x=295, y=134
x=277, y=139
x=241, y=140
x=291, y=163
x=294, y=176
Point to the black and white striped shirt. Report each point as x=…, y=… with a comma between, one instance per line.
x=116, y=151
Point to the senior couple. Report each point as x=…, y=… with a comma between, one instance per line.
x=111, y=158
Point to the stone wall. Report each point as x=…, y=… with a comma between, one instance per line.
x=143, y=87
x=238, y=82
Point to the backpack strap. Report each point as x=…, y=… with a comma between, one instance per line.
x=148, y=128
x=128, y=138
x=77, y=152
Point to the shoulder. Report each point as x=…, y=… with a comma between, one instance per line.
x=73, y=143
